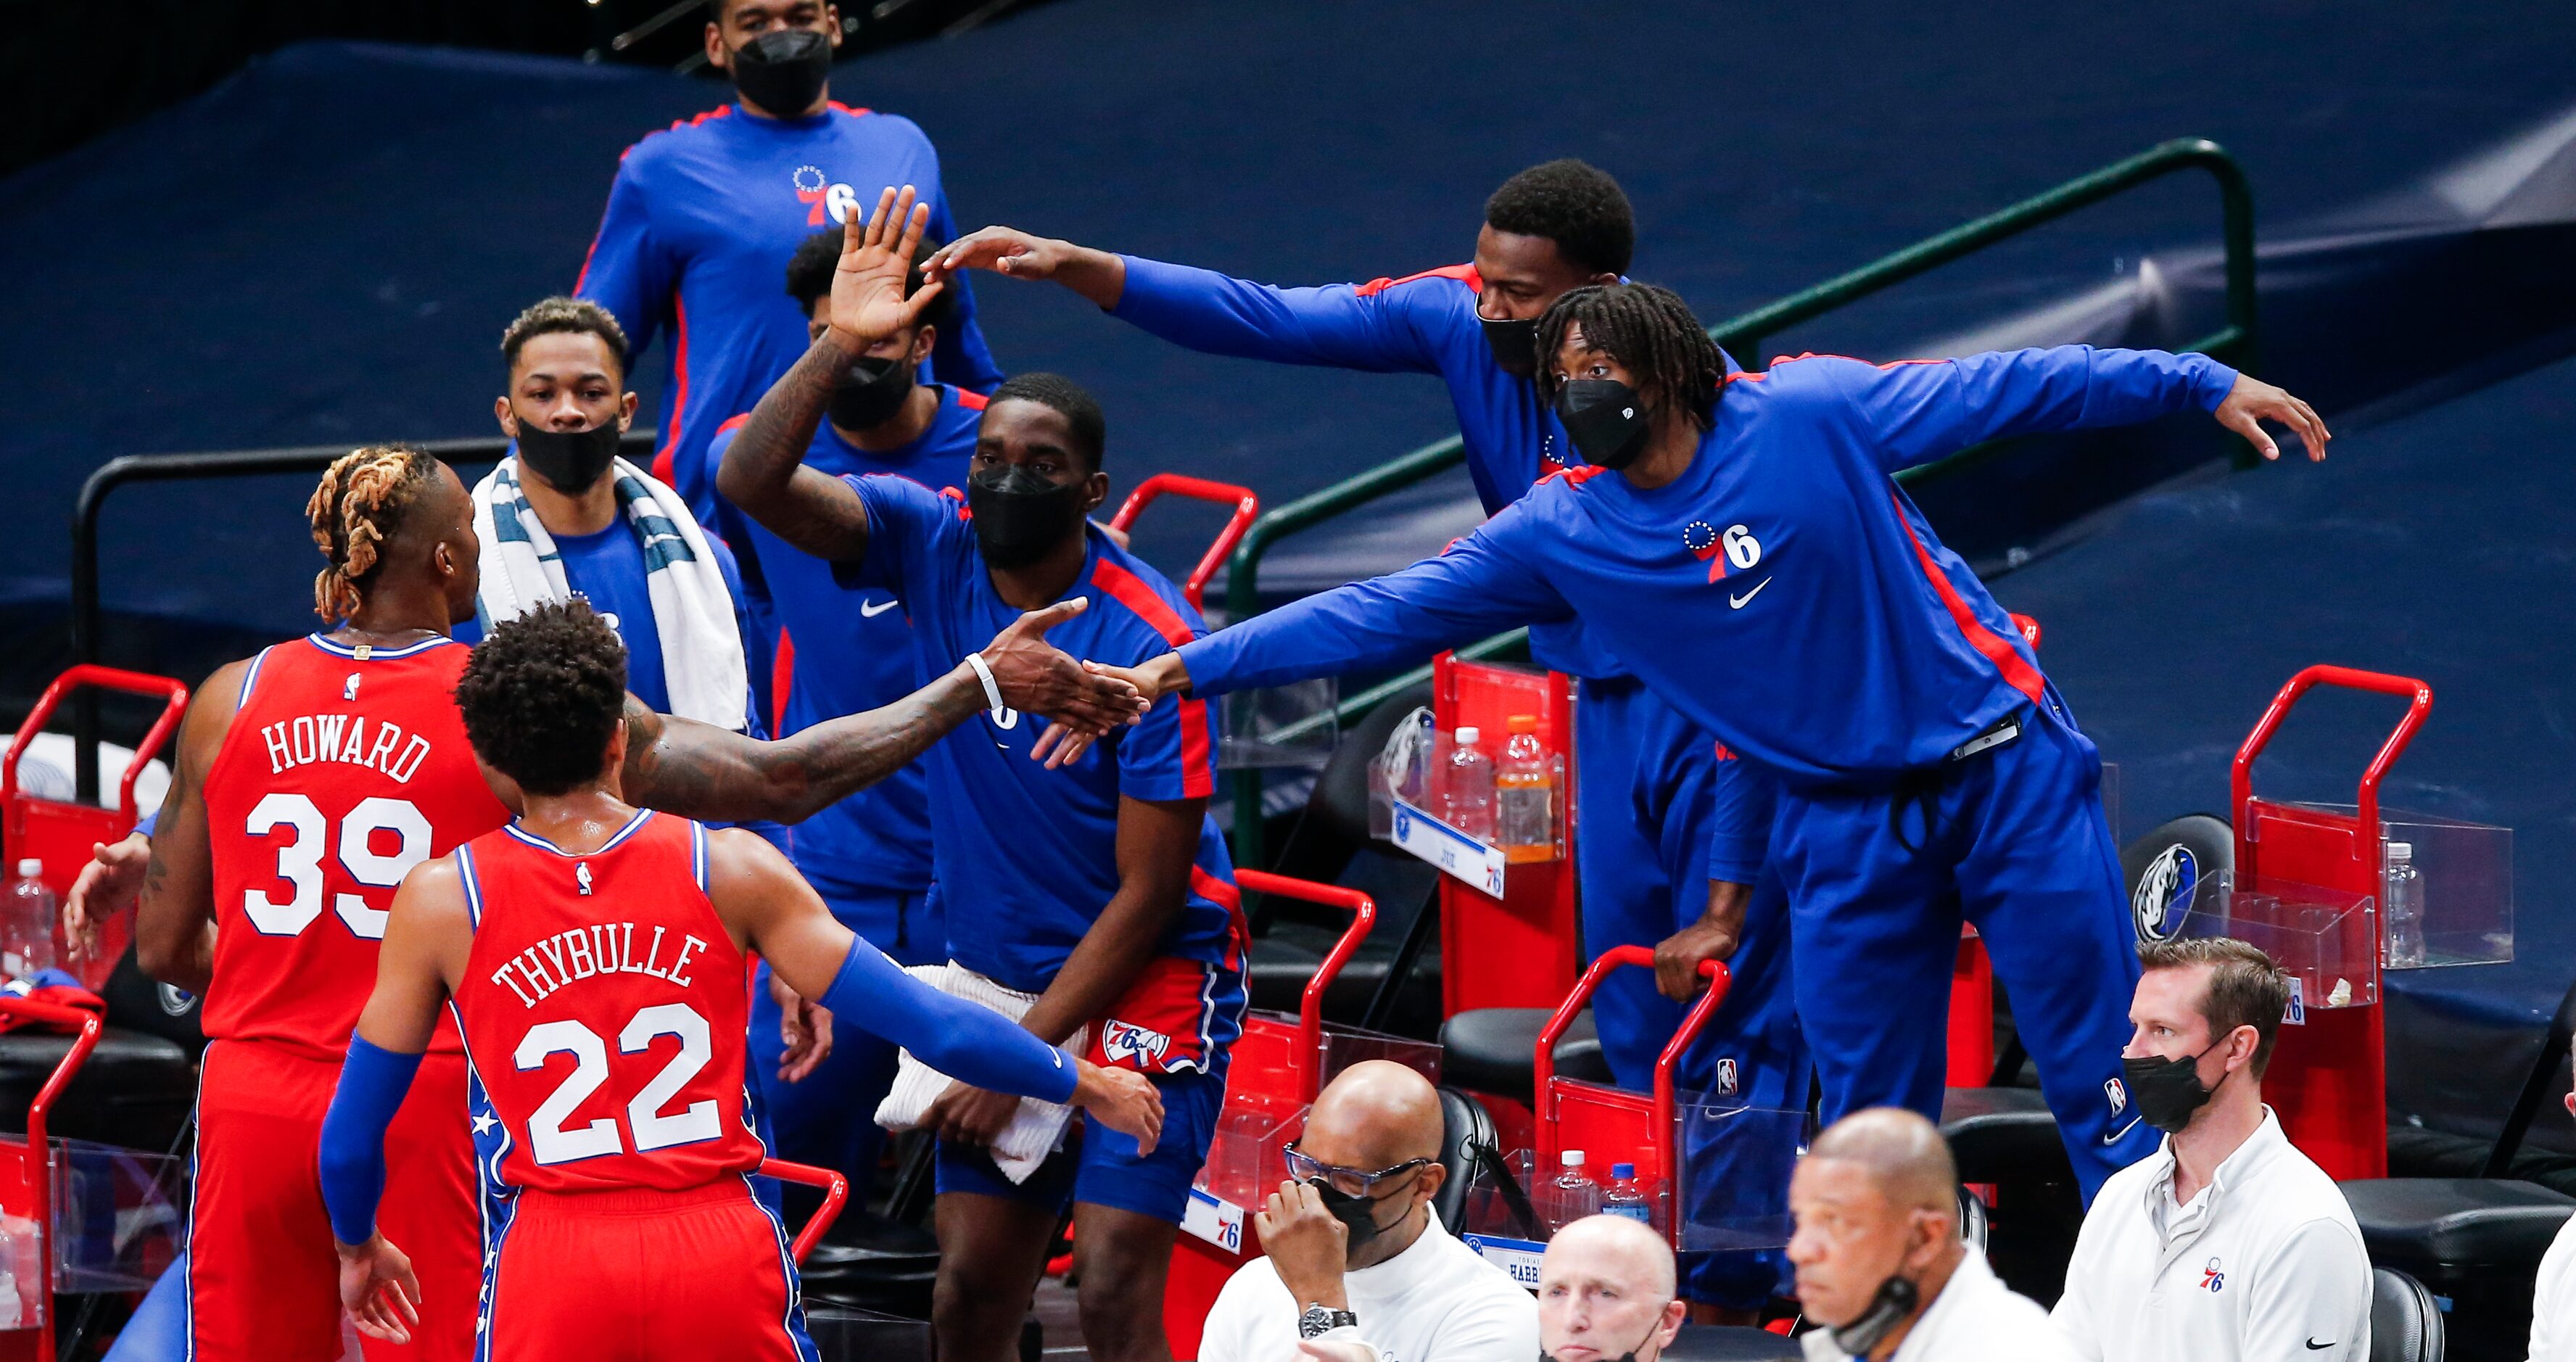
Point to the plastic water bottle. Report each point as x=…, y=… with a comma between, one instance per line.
x=1624, y=1197
x=1572, y=1194
x=1525, y=795
x=1467, y=789
x=27, y=923
x=2403, y=908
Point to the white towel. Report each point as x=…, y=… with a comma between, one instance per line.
x=1036, y=1129
x=702, y=659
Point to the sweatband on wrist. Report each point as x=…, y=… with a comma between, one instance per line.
x=974, y=1045
x=992, y=688
x=372, y=1085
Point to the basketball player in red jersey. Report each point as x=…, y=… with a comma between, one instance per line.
x=594, y=955
x=309, y=779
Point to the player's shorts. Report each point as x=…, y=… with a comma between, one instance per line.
x=263, y=1280
x=644, y=1276
x=1100, y=1166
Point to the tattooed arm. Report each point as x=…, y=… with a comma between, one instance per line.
x=174, y=922
x=701, y=771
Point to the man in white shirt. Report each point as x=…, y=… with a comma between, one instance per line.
x=2553, y=1299
x=1879, y=1259
x=1358, y=1269
x=1606, y=1293
x=2228, y=1243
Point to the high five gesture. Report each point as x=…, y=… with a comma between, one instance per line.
x=868, y=303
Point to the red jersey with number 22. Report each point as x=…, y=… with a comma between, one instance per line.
x=604, y=1010
x=344, y=767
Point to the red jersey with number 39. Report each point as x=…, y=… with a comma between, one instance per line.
x=604, y=1010
x=345, y=767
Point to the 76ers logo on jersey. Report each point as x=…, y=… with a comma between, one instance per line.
x=1733, y=546
x=827, y=198
x=1126, y=1040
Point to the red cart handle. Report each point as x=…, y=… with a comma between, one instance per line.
x=1247, y=508
x=1310, y=1005
x=40, y=1178
x=2419, y=698
x=836, y=1190
x=1543, y=1060
x=107, y=678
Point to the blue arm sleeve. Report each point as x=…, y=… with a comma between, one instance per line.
x=1338, y=326
x=962, y=358
x=1739, y=822
x=627, y=272
x=974, y=1045
x=1480, y=587
x=372, y=1085
x=1921, y=411
x=148, y=822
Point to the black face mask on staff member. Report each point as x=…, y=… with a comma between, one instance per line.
x=784, y=70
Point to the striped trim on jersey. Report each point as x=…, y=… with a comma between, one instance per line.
x=633, y=825
x=250, y=677
x=1198, y=773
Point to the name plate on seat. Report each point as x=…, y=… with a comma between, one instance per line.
x=1454, y=852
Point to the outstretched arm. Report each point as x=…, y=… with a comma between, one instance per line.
x=763, y=472
x=1917, y=412
x=777, y=914
x=703, y=772
x=427, y=935
x=174, y=921
x=1341, y=325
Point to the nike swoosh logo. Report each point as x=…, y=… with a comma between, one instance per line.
x=2114, y=1138
x=1737, y=602
x=2314, y=1346
x=871, y=609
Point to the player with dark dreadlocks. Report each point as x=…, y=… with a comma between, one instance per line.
x=309, y=779
x=1743, y=547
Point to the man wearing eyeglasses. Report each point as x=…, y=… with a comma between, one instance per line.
x=1359, y=1269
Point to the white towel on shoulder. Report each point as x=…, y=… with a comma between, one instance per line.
x=702, y=659
x=1036, y=1129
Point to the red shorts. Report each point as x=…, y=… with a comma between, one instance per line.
x=644, y=1276
x=263, y=1281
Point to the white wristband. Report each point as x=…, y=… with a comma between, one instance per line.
x=992, y=688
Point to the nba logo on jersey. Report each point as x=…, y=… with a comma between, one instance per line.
x=1726, y=1078
x=349, y=691
x=1126, y=1040
x=581, y=876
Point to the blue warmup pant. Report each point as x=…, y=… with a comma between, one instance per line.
x=829, y=1119
x=159, y=1330
x=1684, y=803
x=2014, y=838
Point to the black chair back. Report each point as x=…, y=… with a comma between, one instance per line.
x=1340, y=801
x=1465, y=1128
x=2537, y=1087
x=2405, y=1321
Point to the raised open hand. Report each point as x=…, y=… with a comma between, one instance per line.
x=868, y=304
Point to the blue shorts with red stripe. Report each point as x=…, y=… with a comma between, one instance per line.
x=1176, y=1024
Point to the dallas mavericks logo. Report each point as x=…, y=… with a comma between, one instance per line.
x=1126, y=1040
x=2162, y=899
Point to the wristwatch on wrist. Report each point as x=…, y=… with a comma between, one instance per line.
x=1321, y=1319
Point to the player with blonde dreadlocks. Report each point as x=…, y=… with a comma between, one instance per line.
x=309, y=779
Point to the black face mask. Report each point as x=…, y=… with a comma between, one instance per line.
x=1892, y=1306
x=1515, y=345
x=569, y=460
x=1019, y=516
x=2168, y=1091
x=1358, y=1214
x=871, y=393
x=1605, y=419
x=784, y=70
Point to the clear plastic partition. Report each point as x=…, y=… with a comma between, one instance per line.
x=1285, y=727
x=2464, y=887
x=118, y=1216
x=1345, y=1046
x=1735, y=1165
x=1244, y=1164
x=2326, y=940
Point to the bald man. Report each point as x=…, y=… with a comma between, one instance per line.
x=1358, y=1269
x=1606, y=1293
x=1879, y=1259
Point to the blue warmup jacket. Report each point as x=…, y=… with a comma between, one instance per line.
x=1422, y=324
x=701, y=220
x=1783, y=593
